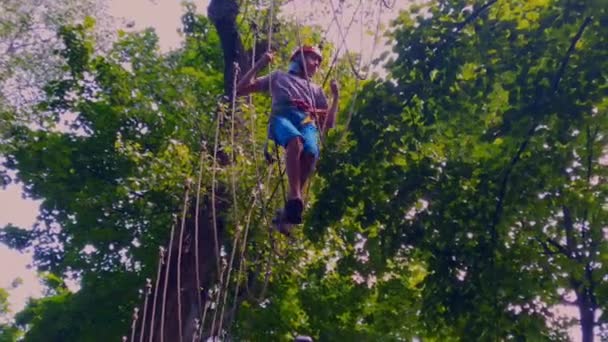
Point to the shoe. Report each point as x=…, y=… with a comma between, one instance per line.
x=293, y=210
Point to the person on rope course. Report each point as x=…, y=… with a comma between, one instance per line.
x=299, y=110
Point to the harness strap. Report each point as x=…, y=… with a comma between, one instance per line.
x=314, y=114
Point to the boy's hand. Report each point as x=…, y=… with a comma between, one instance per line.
x=266, y=58
x=335, y=90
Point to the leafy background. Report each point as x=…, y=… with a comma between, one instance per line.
x=461, y=197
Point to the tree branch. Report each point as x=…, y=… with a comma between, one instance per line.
x=560, y=248
x=566, y=59
x=522, y=147
x=452, y=36
x=569, y=228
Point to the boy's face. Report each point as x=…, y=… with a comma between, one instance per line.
x=312, y=63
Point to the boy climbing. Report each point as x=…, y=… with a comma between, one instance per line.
x=299, y=111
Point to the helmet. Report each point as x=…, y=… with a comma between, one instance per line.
x=304, y=49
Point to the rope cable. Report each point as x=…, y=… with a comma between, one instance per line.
x=214, y=212
x=196, y=231
x=161, y=257
x=143, y=320
x=234, y=200
x=134, y=323
x=343, y=37
x=179, y=260
x=166, y=282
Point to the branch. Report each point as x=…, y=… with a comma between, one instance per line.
x=460, y=27
x=537, y=103
x=591, y=285
x=505, y=181
x=569, y=228
x=566, y=58
x=560, y=248
x=475, y=15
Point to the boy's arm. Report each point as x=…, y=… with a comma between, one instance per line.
x=248, y=84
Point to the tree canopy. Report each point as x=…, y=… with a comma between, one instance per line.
x=462, y=196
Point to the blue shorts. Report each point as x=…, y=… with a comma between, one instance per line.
x=291, y=123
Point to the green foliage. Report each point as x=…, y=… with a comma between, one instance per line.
x=110, y=171
x=97, y=313
x=459, y=199
x=453, y=161
x=8, y=332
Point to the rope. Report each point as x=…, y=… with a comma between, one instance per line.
x=220, y=270
x=217, y=300
x=259, y=181
x=242, y=255
x=234, y=201
x=343, y=37
x=197, y=326
x=161, y=257
x=270, y=23
x=143, y=320
x=134, y=323
x=335, y=59
x=353, y=69
x=196, y=231
x=206, y=308
x=166, y=282
x=268, y=48
x=386, y=4
x=179, y=261
x=213, y=181
x=357, y=81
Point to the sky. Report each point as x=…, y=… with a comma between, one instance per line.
x=164, y=16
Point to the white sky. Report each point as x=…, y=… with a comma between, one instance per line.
x=164, y=16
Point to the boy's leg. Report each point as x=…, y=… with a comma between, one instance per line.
x=310, y=153
x=295, y=140
x=294, y=205
x=294, y=167
x=307, y=165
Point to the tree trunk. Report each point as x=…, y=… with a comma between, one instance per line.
x=587, y=318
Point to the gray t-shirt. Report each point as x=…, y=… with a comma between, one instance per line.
x=285, y=87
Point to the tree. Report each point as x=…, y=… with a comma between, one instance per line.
x=112, y=185
x=8, y=332
x=125, y=156
x=28, y=42
x=468, y=170
x=424, y=213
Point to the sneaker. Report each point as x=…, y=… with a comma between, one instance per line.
x=293, y=210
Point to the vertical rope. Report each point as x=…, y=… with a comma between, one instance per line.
x=161, y=257
x=213, y=209
x=205, y=309
x=197, y=325
x=213, y=181
x=143, y=320
x=134, y=323
x=270, y=23
x=196, y=232
x=166, y=283
x=179, y=261
x=234, y=200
